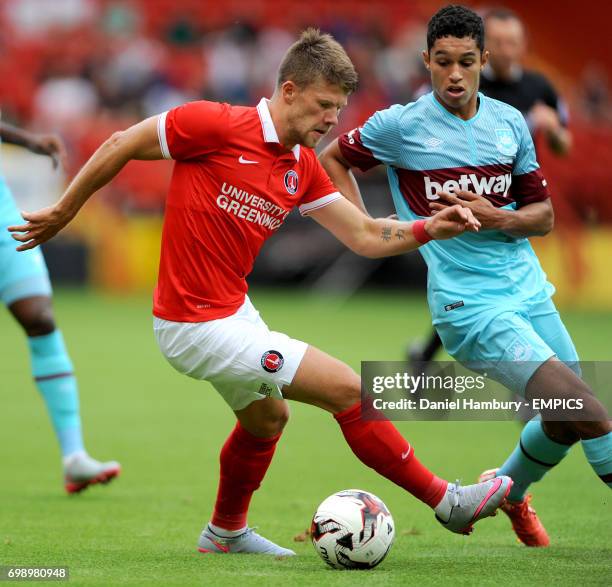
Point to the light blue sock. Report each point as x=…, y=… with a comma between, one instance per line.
x=534, y=455
x=598, y=452
x=52, y=371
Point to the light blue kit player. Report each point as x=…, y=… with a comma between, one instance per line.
x=488, y=296
x=26, y=291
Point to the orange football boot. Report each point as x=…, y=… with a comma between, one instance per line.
x=525, y=522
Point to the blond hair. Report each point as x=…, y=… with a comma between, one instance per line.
x=315, y=55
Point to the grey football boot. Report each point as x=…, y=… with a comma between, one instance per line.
x=249, y=542
x=462, y=507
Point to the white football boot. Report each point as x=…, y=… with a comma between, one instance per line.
x=81, y=471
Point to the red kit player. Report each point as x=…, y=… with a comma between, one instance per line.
x=238, y=172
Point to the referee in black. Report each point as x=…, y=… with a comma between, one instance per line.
x=505, y=79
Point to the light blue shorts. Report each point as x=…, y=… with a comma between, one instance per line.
x=22, y=275
x=510, y=345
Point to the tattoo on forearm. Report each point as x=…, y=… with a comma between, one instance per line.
x=400, y=234
x=386, y=233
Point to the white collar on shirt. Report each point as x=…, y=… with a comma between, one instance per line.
x=267, y=126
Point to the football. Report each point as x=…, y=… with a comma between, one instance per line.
x=352, y=529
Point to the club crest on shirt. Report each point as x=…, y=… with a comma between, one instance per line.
x=505, y=141
x=272, y=361
x=291, y=181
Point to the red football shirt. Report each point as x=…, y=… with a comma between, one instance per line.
x=232, y=187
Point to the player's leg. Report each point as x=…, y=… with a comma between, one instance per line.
x=235, y=354
x=506, y=346
x=244, y=461
x=596, y=441
x=326, y=382
x=479, y=341
x=422, y=352
x=554, y=380
x=52, y=369
x=53, y=373
x=420, y=359
x=542, y=445
x=245, y=458
x=546, y=441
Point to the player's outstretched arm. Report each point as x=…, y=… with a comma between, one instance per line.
x=137, y=142
x=383, y=237
x=41, y=144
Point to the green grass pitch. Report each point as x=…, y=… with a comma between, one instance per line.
x=167, y=430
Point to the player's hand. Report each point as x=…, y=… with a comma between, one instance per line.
x=544, y=118
x=52, y=146
x=41, y=226
x=486, y=213
x=450, y=222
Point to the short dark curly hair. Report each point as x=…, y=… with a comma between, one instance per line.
x=455, y=21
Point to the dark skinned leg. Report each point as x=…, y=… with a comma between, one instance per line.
x=554, y=380
x=34, y=314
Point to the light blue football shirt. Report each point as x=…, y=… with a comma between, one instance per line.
x=427, y=149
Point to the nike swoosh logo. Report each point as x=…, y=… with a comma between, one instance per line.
x=445, y=522
x=406, y=454
x=244, y=161
x=221, y=547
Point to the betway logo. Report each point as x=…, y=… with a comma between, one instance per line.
x=495, y=184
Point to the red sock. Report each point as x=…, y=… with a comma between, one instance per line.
x=379, y=445
x=244, y=461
